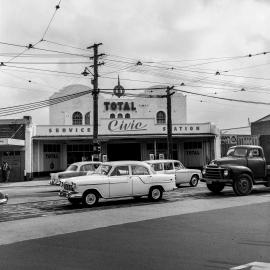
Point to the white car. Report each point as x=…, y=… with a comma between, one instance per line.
x=117, y=179
x=183, y=175
x=3, y=198
x=75, y=169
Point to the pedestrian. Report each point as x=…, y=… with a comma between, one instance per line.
x=5, y=171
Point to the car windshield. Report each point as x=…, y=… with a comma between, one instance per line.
x=103, y=169
x=237, y=152
x=72, y=168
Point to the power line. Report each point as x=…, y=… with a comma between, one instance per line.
x=222, y=98
x=49, y=24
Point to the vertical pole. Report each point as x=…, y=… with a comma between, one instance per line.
x=169, y=123
x=95, y=92
x=95, y=96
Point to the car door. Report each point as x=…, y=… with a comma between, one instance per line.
x=256, y=163
x=141, y=179
x=120, y=182
x=168, y=167
x=182, y=175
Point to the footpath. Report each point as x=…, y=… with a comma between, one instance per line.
x=36, y=182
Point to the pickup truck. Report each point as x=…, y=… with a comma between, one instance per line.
x=243, y=167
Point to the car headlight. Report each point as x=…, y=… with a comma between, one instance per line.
x=74, y=186
x=204, y=171
x=226, y=173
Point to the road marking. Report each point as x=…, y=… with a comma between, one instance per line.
x=253, y=266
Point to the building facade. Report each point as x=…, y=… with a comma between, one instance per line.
x=261, y=129
x=129, y=128
x=15, y=145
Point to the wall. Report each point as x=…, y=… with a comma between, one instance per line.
x=61, y=114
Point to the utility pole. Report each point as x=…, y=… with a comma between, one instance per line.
x=95, y=92
x=169, y=122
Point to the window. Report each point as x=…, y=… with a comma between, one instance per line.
x=168, y=166
x=127, y=115
x=192, y=145
x=139, y=170
x=254, y=153
x=120, y=170
x=112, y=115
x=161, y=117
x=77, y=118
x=157, y=167
x=87, y=118
x=103, y=169
x=51, y=148
x=178, y=165
x=87, y=167
x=72, y=168
x=120, y=115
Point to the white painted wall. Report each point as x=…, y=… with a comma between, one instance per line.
x=61, y=114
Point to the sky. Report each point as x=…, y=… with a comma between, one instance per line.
x=216, y=51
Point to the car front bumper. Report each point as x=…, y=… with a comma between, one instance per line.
x=70, y=194
x=219, y=180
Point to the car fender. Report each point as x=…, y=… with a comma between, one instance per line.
x=236, y=171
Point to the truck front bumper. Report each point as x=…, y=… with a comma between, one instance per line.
x=70, y=194
x=211, y=181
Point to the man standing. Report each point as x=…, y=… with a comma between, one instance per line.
x=5, y=171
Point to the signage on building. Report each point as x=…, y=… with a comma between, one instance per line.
x=124, y=126
x=117, y=125
x=121, y=106
x=240, y=139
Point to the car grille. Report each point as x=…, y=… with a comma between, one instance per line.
x=67, y=187
x=213, y=173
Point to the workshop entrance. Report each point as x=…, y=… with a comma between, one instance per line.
x=124, y=151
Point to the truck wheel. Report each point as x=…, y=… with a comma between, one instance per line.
x=155, y=194
x=242, y=186
x=194, y=181
x=216, y=187
x=90, y=198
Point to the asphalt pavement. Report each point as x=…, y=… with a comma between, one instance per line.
x=217, y=239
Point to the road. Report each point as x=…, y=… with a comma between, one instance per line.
x=189, y=229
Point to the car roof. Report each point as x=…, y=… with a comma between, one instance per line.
x=161, y=160
x=80, y=163
x=125, y=162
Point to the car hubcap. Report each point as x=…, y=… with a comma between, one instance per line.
x=156, y=194
x=243, y=185
x=90, y=199
x=194, y=181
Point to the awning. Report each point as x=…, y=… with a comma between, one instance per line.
x=11, y=142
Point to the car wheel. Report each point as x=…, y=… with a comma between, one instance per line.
x=242, y=186
x=155, y=194
x=194, y=181
x=90, y=198
x=216, y=187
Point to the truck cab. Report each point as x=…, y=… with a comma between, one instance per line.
x=243, y=167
